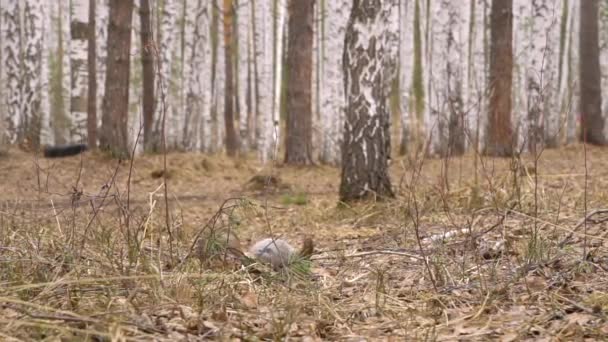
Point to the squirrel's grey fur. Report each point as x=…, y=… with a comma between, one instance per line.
x=276, y=252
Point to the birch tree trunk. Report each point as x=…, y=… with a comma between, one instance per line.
x=406, y=56
x=264, y=27
x=477, y=73
x=446, y=95
x=331, y=94
x=366, y=148
x=78, y=60
x=102, y=20
x=243, y=61
x=92, y=77
x=280, y=8
x=299, y=107
x=30, y=125
x=12, y=66
x=166, y=37
x=418, y=86
x=537, y=29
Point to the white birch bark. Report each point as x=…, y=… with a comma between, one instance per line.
x=135, y=120
x=552, y=123
x=167, y=33
x=436, y=62
x=477, y=72
x=11, y=27
x=46, y=133
x=280, y=36
x=536, y=53
x=102, y=12
x=32, y=65
x=243, y=15
x=63, y=128
x=79, y=17
x=204, y=136
x=565, y=90
x=522, y=24
x=331, y=94
x=426, y=27
x=572, y=79
x=197, y=74
x=264, y=81
x=456, y=82
x=252, y=86
x=406, y=59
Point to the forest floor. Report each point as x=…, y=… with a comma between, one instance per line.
x=498, y=250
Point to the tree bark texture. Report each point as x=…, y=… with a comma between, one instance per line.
x=229, y=98
x=366, y=146
x=299, y=84
x=116, y=101
x=499, y=140
x=147, y=62
x=592, y=122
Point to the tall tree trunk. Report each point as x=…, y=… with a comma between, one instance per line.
x=299, y=107
x=92, y=88
x=229, y=98
x=12, y=64
x=366, y=147
x=455, y=78
x=280, y=15
x=243, y=61
x=79, y=33
x=147, y=62
x=103, y=13
x=32, y=34
x=406, y=48
x=116, y=101
x=417, y=130
x=592, y=125
x=334, y=18
x=499, y=140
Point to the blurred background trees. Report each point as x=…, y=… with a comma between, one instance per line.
x=267, y=76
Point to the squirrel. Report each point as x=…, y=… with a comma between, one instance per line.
x=277, y=253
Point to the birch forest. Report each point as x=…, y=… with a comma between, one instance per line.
x=221, y=74
x=303, y=170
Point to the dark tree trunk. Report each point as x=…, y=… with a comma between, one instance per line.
x=147, y=63
x=92, y=88
x=592, y=122
x=366, y=146
x=232, y=143
x=116, y=100
x=299, y=83
x=500, y=140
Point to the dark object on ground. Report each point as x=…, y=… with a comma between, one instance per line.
x=265, y=182
x=161, y=173
x=64, y=150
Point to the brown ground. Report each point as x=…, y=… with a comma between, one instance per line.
x=84, y=256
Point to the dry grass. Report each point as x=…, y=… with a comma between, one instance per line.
x=84, y=256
